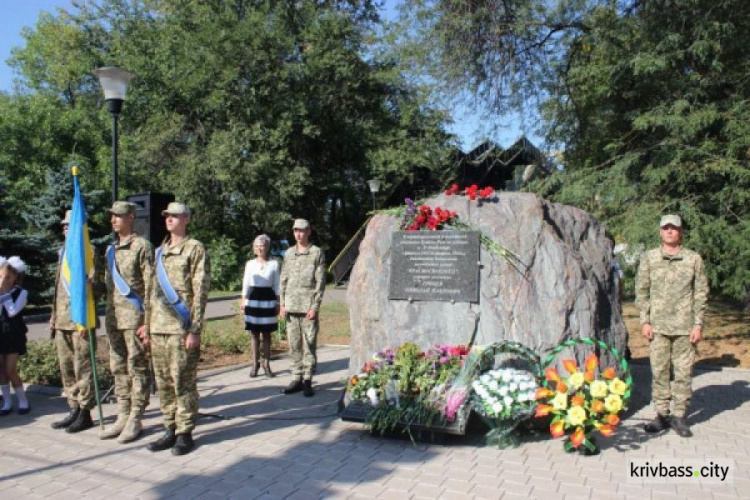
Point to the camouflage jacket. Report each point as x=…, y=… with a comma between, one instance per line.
x=303, y=279
x=189, y=270
x=671, y=291
x=135, y=262
x=61, y=301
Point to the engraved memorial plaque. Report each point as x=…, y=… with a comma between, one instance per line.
x=435, y=265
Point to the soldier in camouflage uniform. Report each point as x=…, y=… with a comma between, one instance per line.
x=671, y=294
x=73, y=354
x=126, y=323
x=300, y=294
x=175, y=339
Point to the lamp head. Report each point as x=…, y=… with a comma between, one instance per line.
x=374, y=185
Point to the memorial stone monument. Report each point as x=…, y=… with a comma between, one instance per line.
x=430, y=288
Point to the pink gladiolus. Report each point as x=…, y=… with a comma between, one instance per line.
x=453, y=401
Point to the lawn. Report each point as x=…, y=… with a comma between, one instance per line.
x=725, y=339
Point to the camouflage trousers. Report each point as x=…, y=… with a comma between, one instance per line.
x=129, y=363
x=677, y=352
x=302, y=334
x=175, y=371
x=75, y=368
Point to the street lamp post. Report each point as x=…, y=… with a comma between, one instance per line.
x=374, y=189
x=114, y=82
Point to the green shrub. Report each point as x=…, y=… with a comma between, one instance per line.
x=228, y=336
x=280, y=334
x=41, y=366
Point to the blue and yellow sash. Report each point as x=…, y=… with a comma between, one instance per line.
x=120, y=283
x=173, y=298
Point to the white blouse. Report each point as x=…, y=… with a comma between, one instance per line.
x=260, y=275
x=15, y=307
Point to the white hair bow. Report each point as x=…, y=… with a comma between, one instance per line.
x=17, y=264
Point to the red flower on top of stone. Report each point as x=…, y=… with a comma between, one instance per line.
x=430, y=219
x=473, y=191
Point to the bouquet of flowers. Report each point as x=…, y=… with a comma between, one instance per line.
x=424, y=218
x=581, y=402
x=503, y=396
x=473, y=191
x=407, y=385
x=504, y=393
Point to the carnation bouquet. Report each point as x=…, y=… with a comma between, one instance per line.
x=504, y=398
x=584, y=401
x=503, y=378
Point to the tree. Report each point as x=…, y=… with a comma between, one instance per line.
x=647, y=100
x=252, y=112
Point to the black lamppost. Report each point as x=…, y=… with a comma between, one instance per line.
x=114, y=82
x=374, y=189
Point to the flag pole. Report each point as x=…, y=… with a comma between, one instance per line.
x=83, y=308
x=92, y=350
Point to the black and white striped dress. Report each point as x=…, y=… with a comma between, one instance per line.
x=260, y=287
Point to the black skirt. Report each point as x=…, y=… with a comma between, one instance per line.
x=260, y=310
x=12, y=336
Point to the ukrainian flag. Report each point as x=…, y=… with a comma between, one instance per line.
x=78, y=263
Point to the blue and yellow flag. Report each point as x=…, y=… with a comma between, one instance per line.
x=78, y=263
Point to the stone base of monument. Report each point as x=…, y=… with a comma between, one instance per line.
x=358, y=411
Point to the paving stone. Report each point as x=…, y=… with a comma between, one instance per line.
x=327, y=458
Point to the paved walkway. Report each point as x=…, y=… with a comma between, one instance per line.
x=254, y=442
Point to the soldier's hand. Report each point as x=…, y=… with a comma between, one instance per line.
x=282, y=311
x=311, y=314
x=696, y=335
x=143, y=335
x=52, y=326
x=648, y=331
x=192, y=341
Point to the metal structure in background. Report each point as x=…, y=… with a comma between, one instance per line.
x=148, y=220
x=114, y=82
x=487, y=164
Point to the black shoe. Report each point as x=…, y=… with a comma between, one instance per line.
x=24, y=411
x=254, y=370
x=183, y=445
x=5, y=412
x=307, y=389
x=164, y=442
x=658, y=424
x=267, y=369
x=295, y=386
x=681, y=427
x=81, y=423
x=69, y=419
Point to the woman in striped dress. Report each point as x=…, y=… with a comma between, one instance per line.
x=260, y=302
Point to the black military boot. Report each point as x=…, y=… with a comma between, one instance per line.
x=81, y=423
x=295, y=386
x=69, y=419
x=681, y=427
x=183, y=445
x=307, y=389
x=164, y=442
x=658, y=424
